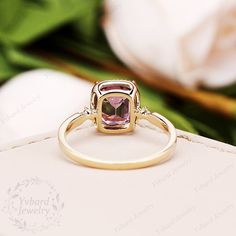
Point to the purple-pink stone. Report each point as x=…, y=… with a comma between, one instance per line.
x=115, y=110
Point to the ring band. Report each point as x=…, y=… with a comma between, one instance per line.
x=116, y=109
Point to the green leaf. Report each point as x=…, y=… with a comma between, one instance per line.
x=9, y=12
x=156, y=103
x=233, y=133
x=88, y=23
x=206, y=130
x=208, y=123
x=39, y=19
x=26, y=60
x=95, y=51
x=7, y=70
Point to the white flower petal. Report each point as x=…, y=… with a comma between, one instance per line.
x=178, y=39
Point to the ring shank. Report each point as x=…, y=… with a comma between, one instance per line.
x=79, y=158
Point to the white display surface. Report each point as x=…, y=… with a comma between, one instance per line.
x=44, y=194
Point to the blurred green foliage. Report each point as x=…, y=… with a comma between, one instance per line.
x=66, y=35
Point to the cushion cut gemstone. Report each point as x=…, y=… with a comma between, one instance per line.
x=115, y=111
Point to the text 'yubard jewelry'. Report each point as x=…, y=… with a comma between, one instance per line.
x=115, y=109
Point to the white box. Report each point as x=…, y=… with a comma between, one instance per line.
x=44, y=194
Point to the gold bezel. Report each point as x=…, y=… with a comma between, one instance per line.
x=98, y=96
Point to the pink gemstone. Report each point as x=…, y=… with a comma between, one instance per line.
x=115, y=111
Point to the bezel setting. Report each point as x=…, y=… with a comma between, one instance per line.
x=113, y=89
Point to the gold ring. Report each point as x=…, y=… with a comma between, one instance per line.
x=115, y=109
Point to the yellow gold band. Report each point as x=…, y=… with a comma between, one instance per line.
x=154, y=118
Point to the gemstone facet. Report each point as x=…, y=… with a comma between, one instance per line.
x=115, y=111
